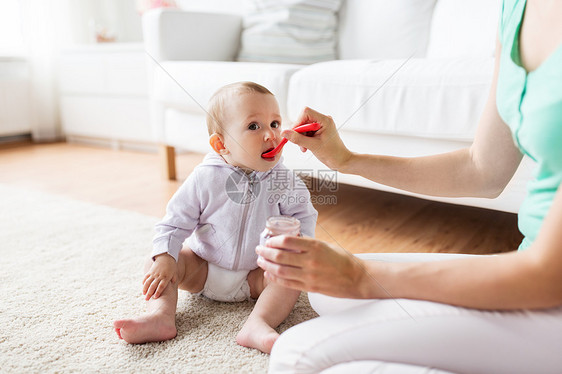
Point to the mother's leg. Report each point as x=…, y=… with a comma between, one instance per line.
x=424, y=334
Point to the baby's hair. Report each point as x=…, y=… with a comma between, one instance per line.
x=215, y=110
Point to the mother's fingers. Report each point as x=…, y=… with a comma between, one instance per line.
x=280, y=271
x=280, y=256
x=293, y=243
x=309, y=115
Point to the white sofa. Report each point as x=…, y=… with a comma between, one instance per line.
x=411, y=78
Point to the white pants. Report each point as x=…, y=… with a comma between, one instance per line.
x=412, y=337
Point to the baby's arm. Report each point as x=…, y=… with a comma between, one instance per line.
x=181, y=219
x=182, y=216
x=161, y=273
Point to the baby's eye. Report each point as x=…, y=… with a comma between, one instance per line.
x=253, y=126
x=275, y=124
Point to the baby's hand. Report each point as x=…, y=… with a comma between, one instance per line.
x=162, y=272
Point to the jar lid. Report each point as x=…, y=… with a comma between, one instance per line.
x=283, y=224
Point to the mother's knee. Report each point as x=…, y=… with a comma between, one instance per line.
x=289, y=352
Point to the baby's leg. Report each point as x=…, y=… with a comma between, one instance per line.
x=273, y=306
x=159, y=323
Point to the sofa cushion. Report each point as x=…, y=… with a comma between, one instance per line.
x=441, y=99
x=202, y=78
x=384, y=28
x=290, y=31
x=451, y=20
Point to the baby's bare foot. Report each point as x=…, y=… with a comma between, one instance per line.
x=257, y=334
x=147, y=328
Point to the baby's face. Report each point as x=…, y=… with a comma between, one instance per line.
x=252, y=127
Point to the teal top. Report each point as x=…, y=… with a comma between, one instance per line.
x=531, y=104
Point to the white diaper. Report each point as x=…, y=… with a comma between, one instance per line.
x=226, y=285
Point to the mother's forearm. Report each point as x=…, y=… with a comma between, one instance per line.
x=504, y=282
x=452, y=174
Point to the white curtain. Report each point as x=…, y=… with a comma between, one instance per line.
x=45, y=27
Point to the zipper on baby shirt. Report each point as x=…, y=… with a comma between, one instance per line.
x=251, y=182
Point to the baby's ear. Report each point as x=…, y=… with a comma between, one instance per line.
x=217, y=144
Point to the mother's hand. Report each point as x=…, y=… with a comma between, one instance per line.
x=326, y=143
x=312, y=265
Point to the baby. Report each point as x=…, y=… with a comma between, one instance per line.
x=221, y=209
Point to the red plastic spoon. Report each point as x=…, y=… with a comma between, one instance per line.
x=307, y=127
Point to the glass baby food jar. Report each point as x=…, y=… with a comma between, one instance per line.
x=280, y=225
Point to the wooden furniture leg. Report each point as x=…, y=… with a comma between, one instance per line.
x=168, y=157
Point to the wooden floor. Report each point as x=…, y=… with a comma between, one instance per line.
x=363, y=220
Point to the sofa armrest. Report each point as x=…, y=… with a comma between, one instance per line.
x=172, y=34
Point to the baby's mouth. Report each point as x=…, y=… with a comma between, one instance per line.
x=269, y=150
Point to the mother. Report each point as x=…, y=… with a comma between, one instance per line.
x=473, y=314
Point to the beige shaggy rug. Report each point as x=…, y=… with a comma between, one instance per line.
x=69, y=268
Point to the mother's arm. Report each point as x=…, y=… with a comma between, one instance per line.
x=483, y=170
x=528, y=279
x=515, y=280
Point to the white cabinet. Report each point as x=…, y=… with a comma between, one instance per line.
x=104, y=92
